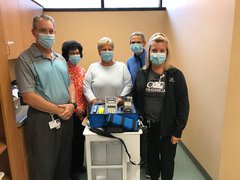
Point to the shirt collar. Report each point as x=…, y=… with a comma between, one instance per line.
x=37, y=53
x=142, y=56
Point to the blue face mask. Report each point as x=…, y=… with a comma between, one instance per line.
x=157, y=58
x=107, y=56
x=74, y=59
x=136, y=48
x=46, y=40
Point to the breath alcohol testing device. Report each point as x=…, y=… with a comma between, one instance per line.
x=111, y=104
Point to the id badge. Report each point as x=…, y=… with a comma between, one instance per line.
x=51, y=124
x=55, y=123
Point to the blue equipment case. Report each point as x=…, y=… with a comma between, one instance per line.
x=98, y=115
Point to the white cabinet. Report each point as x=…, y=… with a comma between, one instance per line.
x=107, y=159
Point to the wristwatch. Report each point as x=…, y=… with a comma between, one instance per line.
x=74, y=104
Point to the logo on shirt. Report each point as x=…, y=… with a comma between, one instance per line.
x=158, y=86
x=171, y=79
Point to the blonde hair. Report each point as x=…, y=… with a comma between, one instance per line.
x=159, y=37
x=104, y=41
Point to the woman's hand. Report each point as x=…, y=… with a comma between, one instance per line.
x=119, y=101
x=96, y=101
x=175, y=140
x=80, y=112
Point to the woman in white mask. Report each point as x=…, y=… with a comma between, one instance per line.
x=106, y=77
x=161, y=97
x=72, y=52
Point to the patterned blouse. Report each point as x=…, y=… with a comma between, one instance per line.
x=77, y=75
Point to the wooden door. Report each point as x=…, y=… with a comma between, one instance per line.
x=12, y=155
x=11, y=27
x=28, y=10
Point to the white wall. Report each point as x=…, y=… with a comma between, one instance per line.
x=201, y=34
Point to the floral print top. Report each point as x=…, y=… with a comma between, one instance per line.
x=77, y=75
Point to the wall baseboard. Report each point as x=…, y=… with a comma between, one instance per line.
x=195, y=161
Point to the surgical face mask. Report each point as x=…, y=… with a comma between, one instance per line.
x=74, y=59
x=107, y=56
x=136, y=48
x=46, y=40
x=157, y=58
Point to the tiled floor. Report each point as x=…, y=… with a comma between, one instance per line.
x=185, y=169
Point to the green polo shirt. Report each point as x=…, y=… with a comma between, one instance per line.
x=48, y=78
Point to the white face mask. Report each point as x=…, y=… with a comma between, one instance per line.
x=46, y=40
x=74, y=59
x=107, y=56
x=136, y=48
x=158, y=58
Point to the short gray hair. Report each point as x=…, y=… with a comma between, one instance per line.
x=43, y=16
x=138, y=34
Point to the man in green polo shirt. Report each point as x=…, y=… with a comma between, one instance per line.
x=44, y=83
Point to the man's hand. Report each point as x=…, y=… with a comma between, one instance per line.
x=68, y=111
